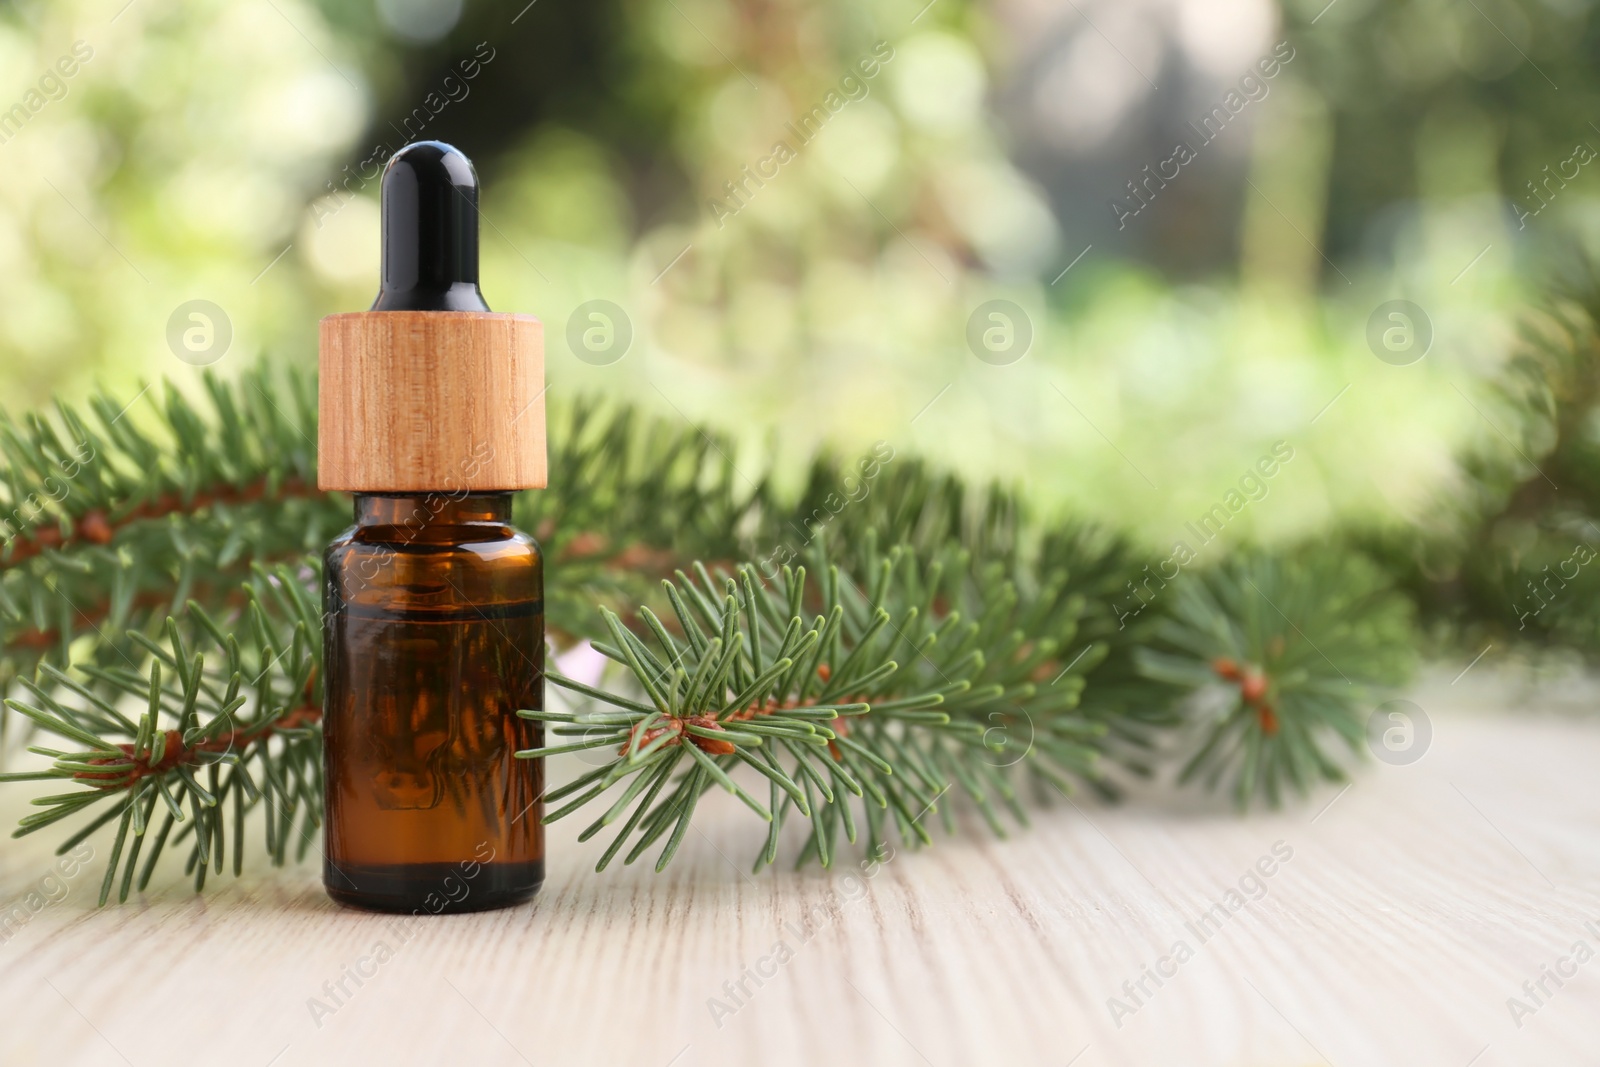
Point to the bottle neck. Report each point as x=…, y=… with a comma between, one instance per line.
x=420, y=511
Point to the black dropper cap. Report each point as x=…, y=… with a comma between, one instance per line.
x=430, y=231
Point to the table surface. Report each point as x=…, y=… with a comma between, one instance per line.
x=1400, y=918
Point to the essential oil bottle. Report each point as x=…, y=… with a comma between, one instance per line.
x=431, y=414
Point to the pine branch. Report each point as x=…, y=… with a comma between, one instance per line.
x=910, y=679
x=1296, y=649
x=113, y=518
x=212, y=744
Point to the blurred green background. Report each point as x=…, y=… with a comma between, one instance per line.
x=1400, y=149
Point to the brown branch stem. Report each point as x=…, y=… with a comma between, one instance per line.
x=177, y=753
x=96, y=527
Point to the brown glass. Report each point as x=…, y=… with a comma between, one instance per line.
x=434, y=631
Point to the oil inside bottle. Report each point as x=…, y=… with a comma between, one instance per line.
x=434, y=637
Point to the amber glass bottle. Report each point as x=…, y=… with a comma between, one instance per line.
x=431, y=413
x=434, y=639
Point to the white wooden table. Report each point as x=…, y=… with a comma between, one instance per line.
x=1412, y=907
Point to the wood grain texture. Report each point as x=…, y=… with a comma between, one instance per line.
x=431, y=401
x=1414, y=904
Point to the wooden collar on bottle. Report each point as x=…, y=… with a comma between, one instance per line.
x=443, y=401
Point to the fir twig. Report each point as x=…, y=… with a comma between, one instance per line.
x=225, y=738
x=894, y=686
x=1296, y=649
